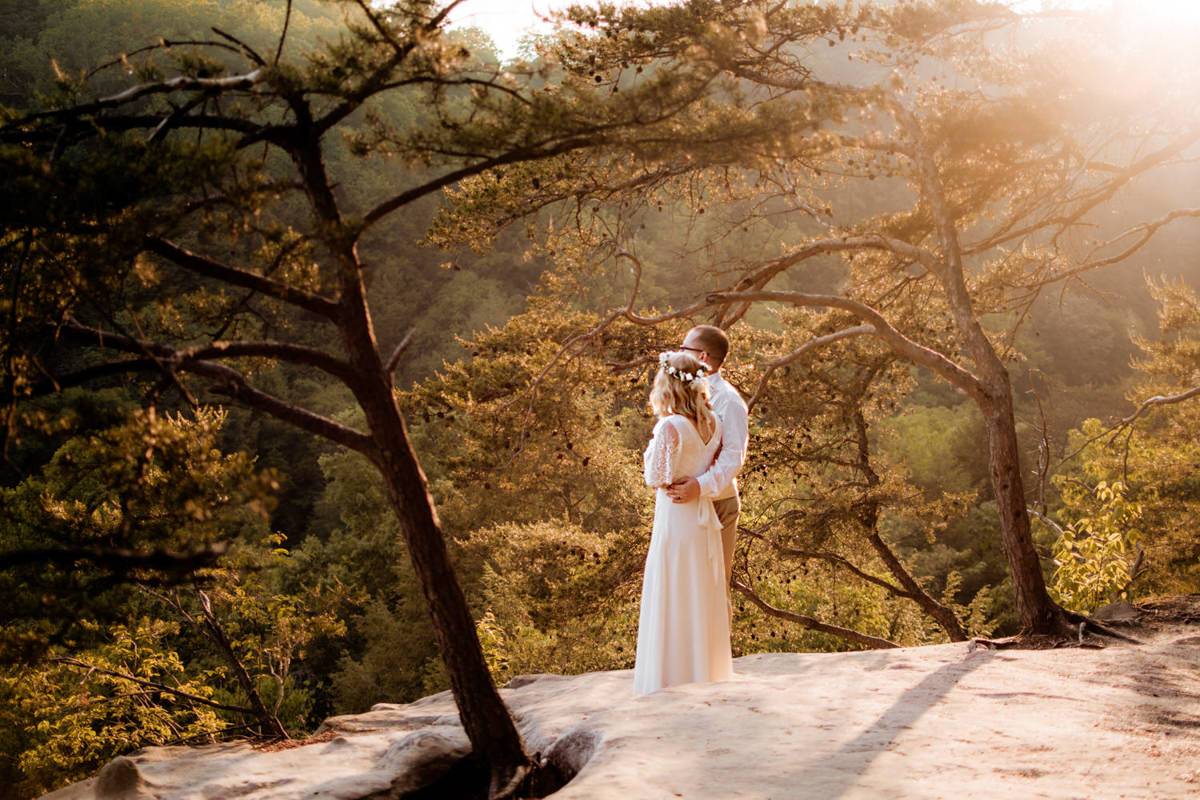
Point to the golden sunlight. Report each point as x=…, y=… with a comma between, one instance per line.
x=1169, y=13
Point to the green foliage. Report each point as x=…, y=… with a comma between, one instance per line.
x=74, y=714
x=1094, y=555
x=557, y=598
x=1152, y=456
x=940, y=446
x=531, y=446
x=155, y=483
x=104, y=655
x=388, y=653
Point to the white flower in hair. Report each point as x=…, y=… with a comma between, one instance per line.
x=686, y=377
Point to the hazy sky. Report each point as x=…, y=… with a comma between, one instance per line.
x=506, y=21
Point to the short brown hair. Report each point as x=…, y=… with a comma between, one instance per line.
x=715, y=342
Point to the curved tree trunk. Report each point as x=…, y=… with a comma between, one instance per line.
x=993, y=395
x=486, y=720
x=489, y=726
x=1038, y=613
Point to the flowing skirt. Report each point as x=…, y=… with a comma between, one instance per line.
x=683, y=630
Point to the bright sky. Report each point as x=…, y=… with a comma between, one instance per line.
x=506, y=21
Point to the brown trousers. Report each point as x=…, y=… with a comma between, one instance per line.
x=727, y=513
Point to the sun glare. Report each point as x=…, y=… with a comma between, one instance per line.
x=1163, y=12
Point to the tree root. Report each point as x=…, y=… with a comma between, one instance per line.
x=1088, y=624
x=1073, y=629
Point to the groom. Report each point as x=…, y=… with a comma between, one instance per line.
x=710, y=346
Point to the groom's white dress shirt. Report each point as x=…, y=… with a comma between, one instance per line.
x=719, y=482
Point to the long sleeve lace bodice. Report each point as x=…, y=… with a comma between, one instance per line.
x=662, y=455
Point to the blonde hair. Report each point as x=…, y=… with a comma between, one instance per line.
x=671, y=394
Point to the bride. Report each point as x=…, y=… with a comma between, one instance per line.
x=683, y=631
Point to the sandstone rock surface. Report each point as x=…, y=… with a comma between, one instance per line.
x=946, y=721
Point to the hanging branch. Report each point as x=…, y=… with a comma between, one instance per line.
x=800, y=352
x=216, y=633
x=1125, y=425
x=116, y=559
x=811, y=623
x=75, y=662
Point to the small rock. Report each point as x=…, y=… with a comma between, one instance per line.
x=1117, y=612
x=120, y=779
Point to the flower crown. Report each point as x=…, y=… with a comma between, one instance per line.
x=687, y=377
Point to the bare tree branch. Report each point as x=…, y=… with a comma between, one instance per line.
x=1127, y=422
x=115, y=559
x=1161, y=400
x=75, y=662
x=287, y=20
x=394, y=360
x=831, y=558
x=811, y=623
x=1095, y=196
x=1049, y=523
x=906, y=347
x=243, y=48
x=176, y=84
x=798, y=353
x=210, y=268
x=216, y=633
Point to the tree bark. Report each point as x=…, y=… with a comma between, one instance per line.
x=1037, y=612
x=488, y=724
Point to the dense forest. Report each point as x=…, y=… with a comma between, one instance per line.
x=256, y=253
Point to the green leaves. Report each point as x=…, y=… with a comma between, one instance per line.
x=114, y=646
x=1097, y=554
x=75, y=714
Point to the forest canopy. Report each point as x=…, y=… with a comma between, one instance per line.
x=328, y=328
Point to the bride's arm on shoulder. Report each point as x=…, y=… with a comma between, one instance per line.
x=658, y=462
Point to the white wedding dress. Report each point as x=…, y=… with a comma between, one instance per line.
x=683, y=631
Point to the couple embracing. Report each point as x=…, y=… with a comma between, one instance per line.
x=699, y=444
